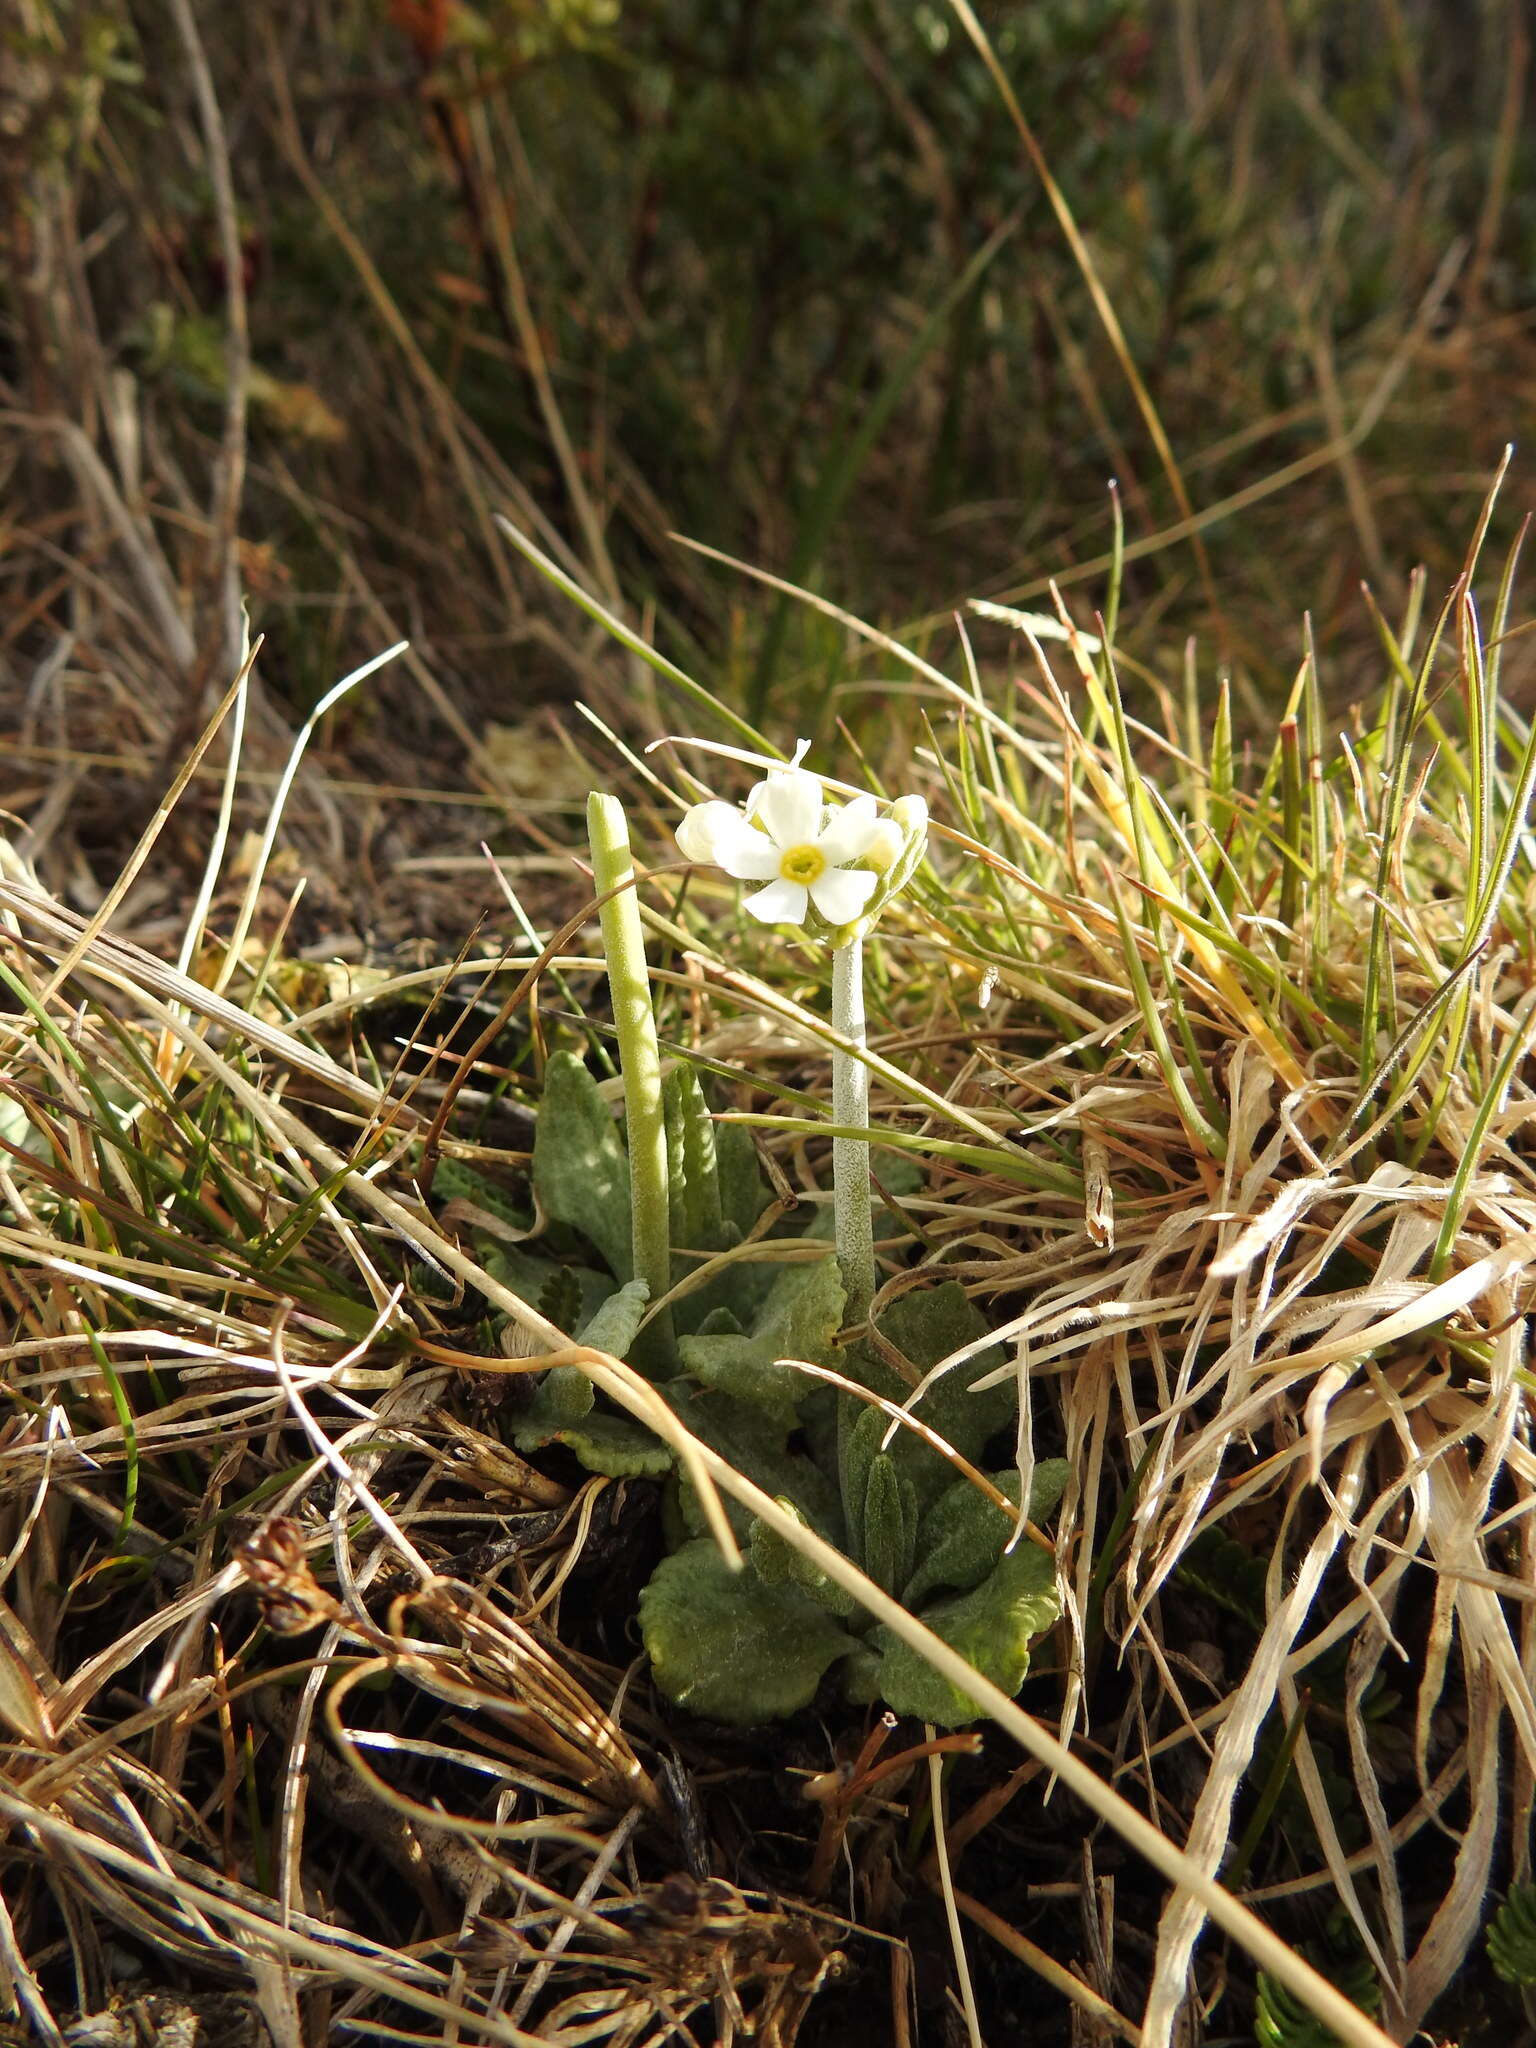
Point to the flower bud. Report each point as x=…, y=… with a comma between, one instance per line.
x=699, y=831
x=910, y=813
x=885, y=846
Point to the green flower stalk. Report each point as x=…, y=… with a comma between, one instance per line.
x=851, y=1205
x=629, y=986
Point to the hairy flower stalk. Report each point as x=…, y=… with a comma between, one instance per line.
x=831, y=870
x=851, y=1205
x=634, y=1021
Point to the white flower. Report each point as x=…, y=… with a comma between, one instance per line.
x=785, y=840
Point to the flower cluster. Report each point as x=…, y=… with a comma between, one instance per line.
x=840, y=863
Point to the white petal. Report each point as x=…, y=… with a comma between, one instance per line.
x=780, y=903
x=790, y=807
x=842, y=893
x=746, y=853
x=850, y=833
x=701, y=828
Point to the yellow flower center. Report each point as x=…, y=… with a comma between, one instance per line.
x=802, y=864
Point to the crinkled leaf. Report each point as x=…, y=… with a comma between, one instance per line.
x=926, y=1328
x=901, y=1176
x=455, y=1180
x=561, y=1409
x=992, y=1627
x=799, y=1319
x=899, y=1173
x=564, y=1395
x=860, y=1430
x=720, y=1322
x=610, y=1444
x=580, y=1172
x=529, y=1276
x=613, y=1327
x=693, y=1178
x=560, y=1300
x=751, y=1440
x=726, y=1645
x=963, y=1533
x=778, y=1562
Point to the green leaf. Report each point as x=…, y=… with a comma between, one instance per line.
x=1280, y=2020
x=751, y=1440
x=899, y=1174
x=799, y=1319
x=963, y=1533
x=580, y=1173
x=742, y=1193
x=777, y=1562
x=927, y=1328
x=565, y=1395
x=888, y=1524
x=561, y=1409
x=726, y=1645
x=456, y=1181
x=1511, y=1936
x=692, y=1169
x=720, y=1322
x=992, y=1627
x=615, y=1325
x=560, y=1300
x=529, y=1276
x=1227, y=1572
x=610, y=1444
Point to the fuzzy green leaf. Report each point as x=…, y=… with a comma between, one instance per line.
x=777, y=1562
x=720, y=1322
x=726, y=1645
x=1281, y=2020
x=693, y=1178
x=561, y=1409
x=992, y=1627
x=1511, y=1937
x=750, y=1439
x=926, y=1328
x=1227, y=1572
x=614, y=1326
x=609, y=1444
x=454, y=1180
x=888, y=1524
x=564, y=1395
x=530, y=1277
x=799, y=1319
x=963, y=1533
x=742, y=1193
x=560, y=1300
x=580, y=1172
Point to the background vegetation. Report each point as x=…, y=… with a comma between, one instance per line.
x=1228, y=941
